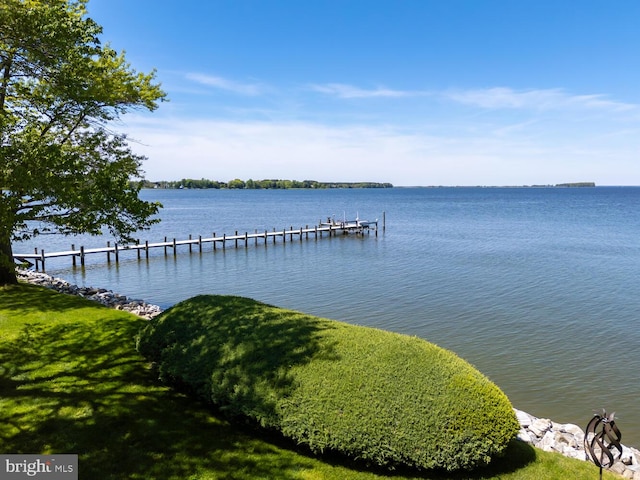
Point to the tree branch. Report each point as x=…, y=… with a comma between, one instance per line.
x=6, y=76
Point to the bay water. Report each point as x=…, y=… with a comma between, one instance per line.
x=536, y=287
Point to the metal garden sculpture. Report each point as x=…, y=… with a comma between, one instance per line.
x=602, y=440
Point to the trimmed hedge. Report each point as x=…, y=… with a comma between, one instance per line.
x=382, y=397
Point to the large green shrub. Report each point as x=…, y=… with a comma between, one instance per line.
x=386, y=398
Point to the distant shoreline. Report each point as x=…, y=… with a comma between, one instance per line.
x=557, y=185
x=267, y=184
x=205, y=184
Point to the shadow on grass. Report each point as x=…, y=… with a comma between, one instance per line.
x=83, y=389
x=234, y=352
x=20, y=298
x=516, y=456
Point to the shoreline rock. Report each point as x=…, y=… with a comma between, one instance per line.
x=568, y=440
x=101, y=295
x=564, y=438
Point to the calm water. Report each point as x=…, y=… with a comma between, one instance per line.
x=538, y=288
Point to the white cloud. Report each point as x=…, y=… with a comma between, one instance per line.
x=249, y=89
x=223, y=150
x=341, y=90
x=543, y=99
x=503, y=136
x=491, y=98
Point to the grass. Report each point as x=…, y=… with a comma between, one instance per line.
x=72, y=382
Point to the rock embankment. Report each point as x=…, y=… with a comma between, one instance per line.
x=568, y=439
x=564, y=438
x=100, y=295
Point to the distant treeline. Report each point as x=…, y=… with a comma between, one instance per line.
x=260, y=184
x=576, y=184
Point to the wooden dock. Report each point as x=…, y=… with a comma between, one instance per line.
x=330, y=227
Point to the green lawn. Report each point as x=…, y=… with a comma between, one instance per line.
x=72, y=382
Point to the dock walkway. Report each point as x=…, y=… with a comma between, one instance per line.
x=331, y=227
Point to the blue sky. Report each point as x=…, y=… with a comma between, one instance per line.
x=412, y=92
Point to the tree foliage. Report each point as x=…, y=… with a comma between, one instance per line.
x=62, y=167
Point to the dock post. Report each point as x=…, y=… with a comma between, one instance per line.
x=284, y=235
x=300, y=233
x=115, y=251
x=82, y=255
x=165, y=246
x=384, y=221
x=306, y=235
x=200, y=243
x=291, y=233
x=35, y=250
x=42, y=258
x=246, y=240
x=214, y=241
x=274, y=235
x=73, y=257
x=108, y=252
x=224, y=241
x=265, y=238
x=138, y=249
x=175, y=251
x=146, y=249
x=236, y=240
x=256, y=237
x=190, y=243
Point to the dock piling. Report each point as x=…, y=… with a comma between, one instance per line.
x=331, y=227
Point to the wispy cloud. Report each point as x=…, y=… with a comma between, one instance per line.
x=542, y=99
x=249, y=89
x=497, y=98
x=224, y=149
x=503, y=136
x=342, y=90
